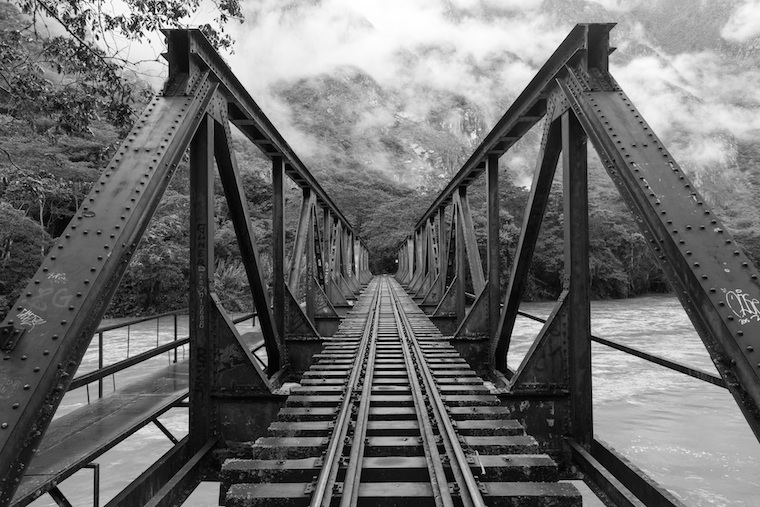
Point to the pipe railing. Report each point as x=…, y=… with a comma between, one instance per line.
x=661, y=361
x=104, y=371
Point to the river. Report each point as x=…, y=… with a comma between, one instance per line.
x=687, y=434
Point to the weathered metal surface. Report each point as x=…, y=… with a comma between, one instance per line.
x=543, y=176
x=202, y=414
x=65, y=300
x=390, y=440
x=525, y=111
x=241, y=220
x=634, y=479
x=79, y=437
x=45, y=337
x=148, y=483
x=716, y=283
x=577, y=278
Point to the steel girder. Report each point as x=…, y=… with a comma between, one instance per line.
x=46, y=334
x=714, y=280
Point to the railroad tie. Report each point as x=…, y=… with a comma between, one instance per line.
x=390, y=414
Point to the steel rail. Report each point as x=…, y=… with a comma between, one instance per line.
x=459, y=465
x=432, y=455
x=322, y=495
x=671, y=365
x=350, y=495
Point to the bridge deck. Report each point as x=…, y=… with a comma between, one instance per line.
x=390, y=414
x=84, y=434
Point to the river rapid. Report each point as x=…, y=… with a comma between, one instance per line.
x=687, y=434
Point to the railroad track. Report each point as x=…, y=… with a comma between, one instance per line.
x=390, y=414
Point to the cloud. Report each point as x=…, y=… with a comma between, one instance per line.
x=484, y=54
x=697, y=92
x=699, y=105
x=619, y=5
x=487, y=51
x=744, y=22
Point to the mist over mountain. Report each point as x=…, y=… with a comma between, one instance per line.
x=408, y=89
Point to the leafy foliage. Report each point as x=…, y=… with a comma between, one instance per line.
x=71, y=80
x=23, y=244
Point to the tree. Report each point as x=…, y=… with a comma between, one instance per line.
x=22, y=246
x=72, y=79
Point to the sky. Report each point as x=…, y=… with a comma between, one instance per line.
x=404, y=43
x=487, y=51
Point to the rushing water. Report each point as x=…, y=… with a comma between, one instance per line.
x=687, y=434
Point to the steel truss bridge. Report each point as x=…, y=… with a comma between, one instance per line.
x=391, y=408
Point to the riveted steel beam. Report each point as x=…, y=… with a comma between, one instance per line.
x=714, y=280
x=65, y=300
x=525, y=111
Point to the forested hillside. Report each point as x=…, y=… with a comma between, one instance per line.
x=384, y=146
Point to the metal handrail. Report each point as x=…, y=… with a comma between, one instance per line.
x=101, y=373
x=671, y=365
x=111, y=369
x=138, y=320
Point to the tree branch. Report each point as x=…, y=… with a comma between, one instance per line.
x=10, y=159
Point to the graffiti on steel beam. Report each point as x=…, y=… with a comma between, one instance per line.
x=743, y=305
x=28, y=318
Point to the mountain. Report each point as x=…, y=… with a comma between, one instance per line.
x=690, y=79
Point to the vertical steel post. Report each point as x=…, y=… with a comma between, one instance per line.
x=278, y=244
x=100, y=363
x=201, y=281
x=494, y=292
x=327, y=246
x=409, y=259
x=443, y=252
x=309, y=282
x=471, y=242
x=460, y=264
x=577, y=278
x=175, y=337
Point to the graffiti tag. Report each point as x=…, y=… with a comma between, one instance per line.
x=29, y=318
x=57, y=278
x=743, y=305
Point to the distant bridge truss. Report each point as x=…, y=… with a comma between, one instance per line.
x=391, y=406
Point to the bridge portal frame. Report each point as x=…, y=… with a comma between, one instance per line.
x=231, y=397
x=715, y=282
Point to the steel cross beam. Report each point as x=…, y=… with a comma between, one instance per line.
x=524, y=112
x=715, y=281
x=193, y=53
x=45, y=336
x=55, y=321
